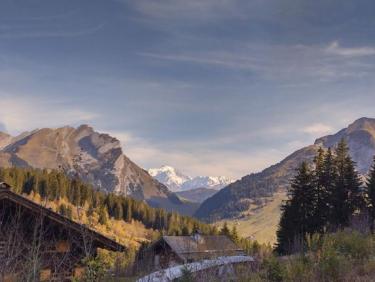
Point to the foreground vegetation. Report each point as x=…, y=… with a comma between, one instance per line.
x=343, y=256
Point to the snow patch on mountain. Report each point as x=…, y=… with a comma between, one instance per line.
x=177, y=181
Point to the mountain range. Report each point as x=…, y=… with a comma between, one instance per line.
x=252, y=193
x=177, y=181
x=99, y=159
x=94, y=157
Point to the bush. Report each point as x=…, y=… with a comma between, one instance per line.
x=300, y=268
x=187, y=275
x=352, y=244
x=95, y=269
x=274, y=270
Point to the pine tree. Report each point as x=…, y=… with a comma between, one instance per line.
x=298, y=212
x=234, y=234
x=321, y=208
x=346, y=197
x=69, y=212
x=370, y=190
x=118, y=213
x=75, y=192
x=329, y=183
x=103, y=216
x=286, y=233
x=63, y=210
x=185, y=231
x=42, y=188
x=128, y=214
x=225, y=230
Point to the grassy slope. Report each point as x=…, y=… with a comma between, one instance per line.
x=263, y=223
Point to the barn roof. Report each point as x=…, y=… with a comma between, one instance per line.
x=183, y=245
x=101, y=240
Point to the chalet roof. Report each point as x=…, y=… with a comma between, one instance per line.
x=200, y=244
x=101, y=240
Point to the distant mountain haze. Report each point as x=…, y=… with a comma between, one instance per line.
x=251, y=193
x=95, y=157
x=177, y=181
x=197, y=195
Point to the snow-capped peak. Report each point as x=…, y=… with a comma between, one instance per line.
x=212, y=182
x=169, y=176
x=177, y=181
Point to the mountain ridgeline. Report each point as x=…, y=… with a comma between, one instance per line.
x=253, y=191
x=93, y=157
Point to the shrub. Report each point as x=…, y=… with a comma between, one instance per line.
x=187, y=275
x=300, y=268
x=95, y=269
x=274, y=270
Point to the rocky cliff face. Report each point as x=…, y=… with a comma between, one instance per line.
x=96, y=158
x=254, y=191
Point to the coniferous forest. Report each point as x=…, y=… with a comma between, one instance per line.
x=326, y=197
x=53, y=185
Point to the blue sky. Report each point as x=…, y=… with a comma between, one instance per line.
x=218, y=87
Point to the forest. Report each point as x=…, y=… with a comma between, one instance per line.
x=55, y=186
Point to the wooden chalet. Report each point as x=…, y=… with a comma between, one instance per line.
x=36, y=239
x=169, y=251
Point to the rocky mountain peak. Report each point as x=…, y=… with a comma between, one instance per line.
x=177, y=181
x=366, y=124
x=95, y=157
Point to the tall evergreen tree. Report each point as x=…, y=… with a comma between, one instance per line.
x=370, y=190
x=234, y=234
x=75, y=192
x=286, y=233
x=321, y=192
x=118, y=213
x=103, y=215
x=298, y=211
x=346, y=197
x=225, y=230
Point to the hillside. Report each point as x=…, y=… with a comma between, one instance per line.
x=251, y=194
x=197, y=195
x=94, y=157
x=127, y=220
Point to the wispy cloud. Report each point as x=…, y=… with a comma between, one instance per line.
x=26, y=31
x=27, y=113
x=286, y=63
x=335, y=49
x=192, y=9
x=317, y=129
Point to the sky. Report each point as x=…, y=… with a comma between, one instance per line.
x=211, y=87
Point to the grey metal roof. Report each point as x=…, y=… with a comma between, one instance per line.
x=200, y=244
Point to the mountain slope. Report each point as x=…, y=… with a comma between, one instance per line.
x=197, y=195
x=96, y=158
x=249, y=195
x=177, y=181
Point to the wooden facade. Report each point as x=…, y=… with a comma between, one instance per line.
x=36, y=239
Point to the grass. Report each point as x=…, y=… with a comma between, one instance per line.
x=262, y=225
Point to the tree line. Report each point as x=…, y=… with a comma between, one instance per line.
x=327, y=196
x=53, y=185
